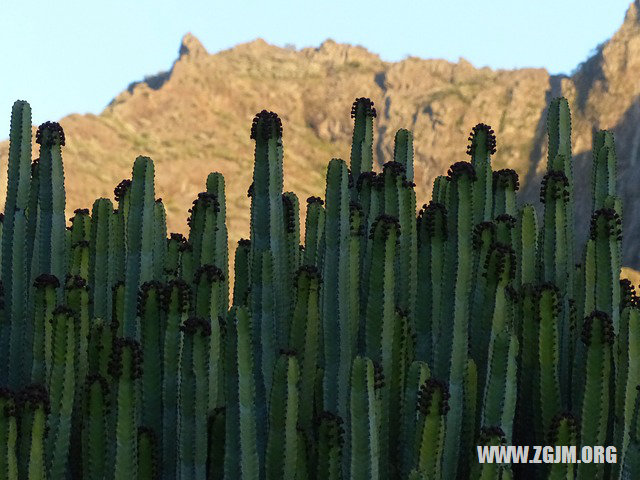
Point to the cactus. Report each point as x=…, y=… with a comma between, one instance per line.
x=338, y=341
x=33, y=407
x=305, y=333
x=388, y=346
x=365, y=445
x=8, y=435
x=194, y=391
x=140, y=239
x=125, y=367
x=14, y=256
x=62, y=386
x=282, y=445
x=363, y=112
x=95, y=434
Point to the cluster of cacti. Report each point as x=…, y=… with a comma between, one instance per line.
x=385, y=344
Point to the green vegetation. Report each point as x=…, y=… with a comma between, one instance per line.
x=385, y=344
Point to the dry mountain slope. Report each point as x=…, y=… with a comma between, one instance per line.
x=196, y=118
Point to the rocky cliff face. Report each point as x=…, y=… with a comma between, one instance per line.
x=195, y=119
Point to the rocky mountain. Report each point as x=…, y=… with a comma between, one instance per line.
x=196, y=117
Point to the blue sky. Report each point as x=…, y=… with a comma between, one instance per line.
x=75, y=56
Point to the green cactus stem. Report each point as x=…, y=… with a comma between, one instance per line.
x=505, y=185
x=403, y=151
x=562, y=432
x=291, y=217
x=241, y=440
x=100, y=256
x=139, y=240
x=33, y=408
x=215, y=185
x=147, y=454
x=305, y=333
x=282, y=444
x=433, y=405
x=363, y=112
x=314, y=228
x=598, y=337
x=176, y=306
x=151, y=328
x=209, y=288
x=241, y=273
x=330, y=445
x=452, y=344
x=365, y=445
x=216, y=439
x=627, y=376
x=125, y=368
x=482, y=144
x=8, y=435
x=338, y=350
x=193, y=406
x=95, y=434
x=432, y=237
x=62, y=388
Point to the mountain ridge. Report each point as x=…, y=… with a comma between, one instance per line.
x=195, y=118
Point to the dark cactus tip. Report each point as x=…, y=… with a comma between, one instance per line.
x=483, y=230
x=75, y=282
x=487, y=434
x=266, y=125
x=460, y=169
x=378, y=376
x=506, y=178
x=63, y=310
x=365, y=177
x=182, y=291
x=194, y=324
x=288, y=353
x=427, y=393
x=310, y=271
x=32, y=397
x=121, y=189
x=49, y=134
x=606, y=327
x=210, y=272
x=46, y=280
x=394, y=167
x=244, y=242
x=317, y=200
x=177, y=237
x=364, y=106
x=558, y=420
x=144, y=294
x=434, y=216
x=386, y=223
x=606, y=221
x=506, y=219
x=119, y=346
x=7, y=397
x=628, y=295
x=489, y=138
x=555, y=184
x=96, y=378
x=81, y=211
